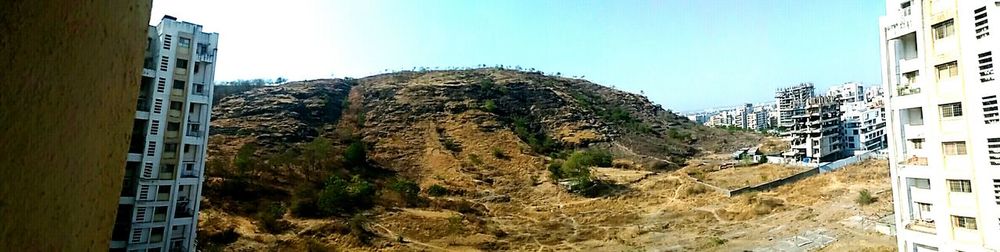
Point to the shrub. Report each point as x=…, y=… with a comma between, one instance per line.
x=437, y=190
x=489, y=106
x=865, y=197
x=498, y=153
x=408, y=189
x=475, y=159
x=355, y=154
x=340, y=196
x=270, y=218
x=555, y=169
x=357, y=224
x=451, y=145
x=455, y=223
x=244, y=160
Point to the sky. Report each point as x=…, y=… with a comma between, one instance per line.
x=684, y=55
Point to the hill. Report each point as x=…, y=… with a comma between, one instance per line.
x=416, y=160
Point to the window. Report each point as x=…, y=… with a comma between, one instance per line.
x=175, y=105
x=197, y=67
x=960, y=185
x=185, y=42
x=963, y=222
x=924, y=207
x=918, y=143
x=170, y=147
x=911, y=77
x=178, y=84
x=944, y=29
x=951, y=109
x=202, y=48
x=182, y=63
x=168, y=168
x=947, y=70
x=953, y=148
x=172, y=126
x=920, y=183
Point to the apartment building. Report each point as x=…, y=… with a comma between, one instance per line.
x=790, y=102
x=862, y=117
x=815, y=131
x=158, y=207
x=847, y=92
x=943, y=122
x=863, y=127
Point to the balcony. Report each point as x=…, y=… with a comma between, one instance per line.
x=915, y=160
x=183, y=211
x=206, y=57
x=907, y=89
x=922, y=226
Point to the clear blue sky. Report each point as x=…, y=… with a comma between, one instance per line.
x=683, y=54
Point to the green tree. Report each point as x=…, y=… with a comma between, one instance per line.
x=317, y=152
x=355, y=155
x=244, y=160
x=408, y=189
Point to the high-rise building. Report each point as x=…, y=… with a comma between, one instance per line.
x=158, y=207
x=790, y=101
x=943, y=127
x=815, y=131
x=847, y=92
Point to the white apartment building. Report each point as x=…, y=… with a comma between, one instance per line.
x=159, y=203
x=863, y=121
x=863, y=127
x=847, y=92
x=943, y=122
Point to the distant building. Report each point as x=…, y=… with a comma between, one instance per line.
x=815, y=131
x=159, y=203
x=790, y=102
x=938, y=70
x=863, y=122
x=847, y=92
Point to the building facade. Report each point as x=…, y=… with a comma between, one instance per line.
x=943, y=123
x=815, y=131
x=862, y=117
x=159, y=203
x=789, y=102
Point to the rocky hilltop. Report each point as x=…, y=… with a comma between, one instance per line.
x=433, y=157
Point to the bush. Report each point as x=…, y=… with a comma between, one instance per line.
x=270, y=218
x=498, y=153
x=451, y=145
x=244, y=160
x=437, y=190
x=489, y=106
x=555, y=169
x=475, y=159
x=357, y=224
x=355, y=155
x=455, y=223
x=865, y=197
x=408, y=189
x=340, y=196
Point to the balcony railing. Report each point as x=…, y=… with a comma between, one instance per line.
x=907, y=89
x=194, y=133
x=922, y=226
x=915, y=160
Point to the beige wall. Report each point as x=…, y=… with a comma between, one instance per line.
x=69, y=74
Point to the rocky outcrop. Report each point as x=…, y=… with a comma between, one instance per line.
x=287, y=113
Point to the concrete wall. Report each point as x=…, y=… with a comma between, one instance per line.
x=69, y=74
